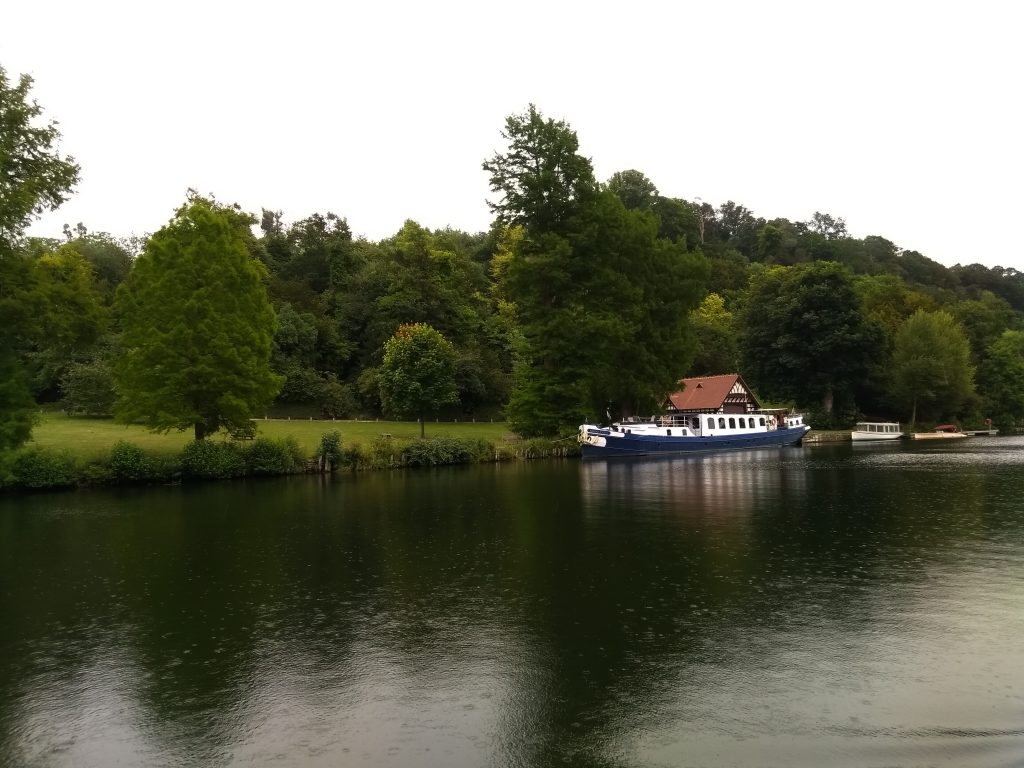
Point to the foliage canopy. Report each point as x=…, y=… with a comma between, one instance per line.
x=34, y=177
x=931, y=365
x=417, y=375
x=197, y=326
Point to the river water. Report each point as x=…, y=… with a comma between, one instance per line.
x=819, y=606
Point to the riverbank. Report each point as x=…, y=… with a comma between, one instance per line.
x=70, y=452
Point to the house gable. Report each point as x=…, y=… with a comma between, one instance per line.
x=727, y=393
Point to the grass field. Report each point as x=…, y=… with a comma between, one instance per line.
x=90, y=438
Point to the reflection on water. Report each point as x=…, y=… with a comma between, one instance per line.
x=807, y=606
x=725, y=483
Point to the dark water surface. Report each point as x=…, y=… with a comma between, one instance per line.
x=817, y=606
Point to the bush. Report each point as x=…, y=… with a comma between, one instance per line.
x=273, y=457
x=436, y=451
x=246, y=431
x=212, y=460
x=329, y=453
x=43, y=468
x=337, y=401
x=839, y=418
x=88, y=389
x=128, y=463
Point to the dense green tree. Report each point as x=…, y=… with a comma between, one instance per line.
x=601, y=302
x=34, y=177
x=197, y=326
x=889, y=301
x=293, y=356
x=603, y=317
x=730, y=271
x=738, y=227
x=542, y=178
x=831, y=228
x=778, y=242
x=419, y=276
x=931, y=365
x=635, y=190
x=1005, y=283
x=17, y=406
x=88, y=388
x=805, y=336
x=427, y=284
x=850, y=252
x=882, y=254
x=983, y=320
x=1001, y=380
x=717, y=339
x=71, y=313
x=313, y=263
x=918, y=269
x=678, y=221
x=111, y=261
x=417, y=374
x=319, y=250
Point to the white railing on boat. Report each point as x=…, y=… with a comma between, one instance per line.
x=698, y=424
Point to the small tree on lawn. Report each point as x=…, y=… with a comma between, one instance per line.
x=418, y=373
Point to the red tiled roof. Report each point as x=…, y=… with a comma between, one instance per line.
x=706, y=393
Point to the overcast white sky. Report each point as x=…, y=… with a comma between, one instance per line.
x=904, y=118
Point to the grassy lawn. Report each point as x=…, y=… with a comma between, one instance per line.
x=89, y=438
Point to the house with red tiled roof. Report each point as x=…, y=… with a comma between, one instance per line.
x=727, y=393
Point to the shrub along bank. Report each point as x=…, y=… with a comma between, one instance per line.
x=39, y=467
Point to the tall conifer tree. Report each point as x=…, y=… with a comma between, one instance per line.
x=197, y=326
x=602, y=302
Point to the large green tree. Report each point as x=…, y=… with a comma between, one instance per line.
x=197, y=326
x=634, y=189
x=717, y=344
x=805, y=336
x=984, y=319
x=931, y=365
x=34, y=177
x=601, y=301
x=417, y=375
x=1001, y=380
x=72, y=313
x=541, y=177
x=419, y=276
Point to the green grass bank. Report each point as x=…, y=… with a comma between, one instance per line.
x=70, y=451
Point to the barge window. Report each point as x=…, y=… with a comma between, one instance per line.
x=721, y=423
x=762, y=421
x=732, y=423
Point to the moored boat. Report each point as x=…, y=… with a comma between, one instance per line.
x=693, y=433
x=875, y=430
x=941, y=432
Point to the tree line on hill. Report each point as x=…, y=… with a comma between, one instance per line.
x=584, y=297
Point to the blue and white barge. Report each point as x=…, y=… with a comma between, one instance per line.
x=694, y=433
